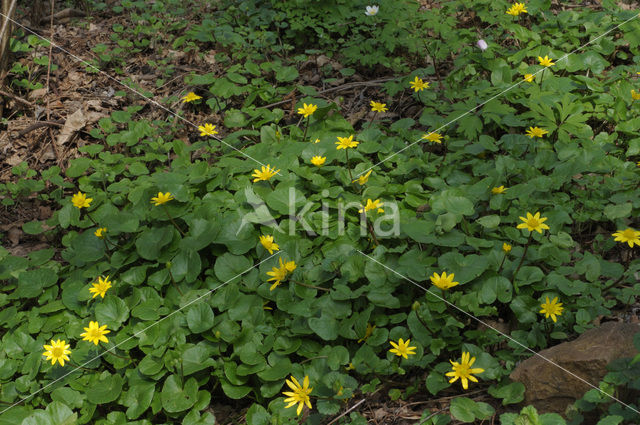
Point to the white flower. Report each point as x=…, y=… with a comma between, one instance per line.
x=372, y=10
x=482, y=45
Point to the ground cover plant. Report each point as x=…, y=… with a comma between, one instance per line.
x=276, y=212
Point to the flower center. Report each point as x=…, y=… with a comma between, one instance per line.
x=57, y=351
x=533, y=222
x=628, y=234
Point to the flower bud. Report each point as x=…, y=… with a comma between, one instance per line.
x=482, y=45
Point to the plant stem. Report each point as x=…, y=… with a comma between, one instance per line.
x=346, y=151
x=526, y=247
x=172, y=221
x=443, y=157
x=502, y=263
x=304, y=136
x=372, y=119
x=371, y=232
x=541, y=77
x=174, y=282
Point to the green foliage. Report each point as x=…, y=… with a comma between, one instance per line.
x=191, y=312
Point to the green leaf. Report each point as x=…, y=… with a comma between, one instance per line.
x=466, y=410
x=186, y=265
x=138, y=398
x=105, y=389
x=257, y=415
x=197, y=358
x=229, y=266
x=510, y=393
x=200, y=317
x=326, y=327
x=285, y=74
x=150, y=243
x=176, y=398
x=436, y=382
x=32, y=282
x=615, y=211
x=112, y=311
x=489, y=221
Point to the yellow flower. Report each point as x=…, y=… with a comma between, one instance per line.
x=346, y=142
x=57, y=351
x=363, y=178
x=635, y=95
x=371, y=205
x=433, y=137
x=307, y=110
x=516, y=9
x=162, y=198
x=95, y=333
x=418, y=85
x=100, y=232
x=80, y=200
x=265, y=174
x=378, y=107
x=443, y=281
x=536, y=132
x=300, y=393
x=553, y=309
x=367, y=332
x=268, y=244
x=280, y=273
x=638, y=164
x=506, y=248
x=190, y=97
x=528, y=78
x=101, y=287
x=499, y=189
x=545, y=61
x=402, y=348
x=463, y=370
x=316, y=141
x=533, y=222
x=318, y=160
x=629, y=236
x=207, y=130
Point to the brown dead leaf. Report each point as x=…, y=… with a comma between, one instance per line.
x=75, y=122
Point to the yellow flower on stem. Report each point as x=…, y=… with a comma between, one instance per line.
x=402, y=348
x=100, y=232
x=265, y=173
x=207, y=130
x=318, y=161
x=299, y=395
x=346, y=142
x=367, y=332
x=363, y=178
x=533, y=222
x=463, y=370
x=499, y=189
x=506, y=248
x=307, y=110
x=635, y=95
x=443, y=281
x=529, y=78
x=57, y=352
x=378, y=107
x=371, y=205
x=190, y=97
x=433, y=137
x=316, y=141
x=280, y=273
x=162, y=198
x=551, y=308
x=80, y=200
x=516, y=9
x=101, y=287
x=95, y=333
x=418, y=85
x=629, y=235
x=546, y=61
x=536, y=132
x=268, y=244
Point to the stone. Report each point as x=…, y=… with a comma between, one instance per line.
x=551, y=389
